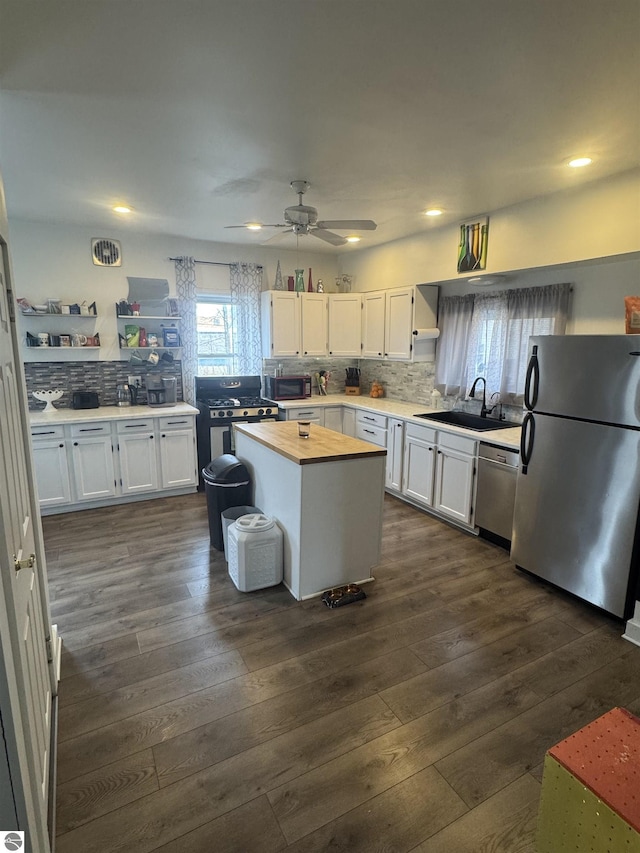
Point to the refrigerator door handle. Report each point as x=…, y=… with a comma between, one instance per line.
x=532, y=381
x=526, y=440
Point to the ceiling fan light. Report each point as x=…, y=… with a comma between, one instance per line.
x=579, y=162
x=353, y=239
x=433, y=211
x=253, y=226
x=121, y=208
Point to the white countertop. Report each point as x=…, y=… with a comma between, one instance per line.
x=509, y=438
x=108, y=413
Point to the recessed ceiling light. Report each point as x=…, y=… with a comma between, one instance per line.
x=254, y=226
x=122, y=208
x=353, y=239
x=434, y=211
x=578, y=162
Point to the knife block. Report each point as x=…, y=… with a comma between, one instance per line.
x=352, y=390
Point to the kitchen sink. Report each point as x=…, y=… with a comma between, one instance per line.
x=465, y=419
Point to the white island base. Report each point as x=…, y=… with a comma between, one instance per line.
x=326, y=493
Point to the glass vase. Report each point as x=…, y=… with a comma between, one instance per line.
x=299, y=286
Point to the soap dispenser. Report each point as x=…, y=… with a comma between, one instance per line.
x=436, y=398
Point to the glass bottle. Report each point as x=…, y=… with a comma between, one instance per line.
x=310, y=287
x=299, y=287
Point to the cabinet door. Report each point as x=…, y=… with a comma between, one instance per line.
x=52, y=472
x=138, y=463
x=93, y=472
x=345, y=324
x=349, y=422
x=281, y=324
x=398, y=322
x=373, y=316
x=177, y=458
x=417, y=481
x=454, y=484
x=333, y=418
x=395, y=444
x=314, y=324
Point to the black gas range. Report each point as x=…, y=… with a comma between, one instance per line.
x=222, y=401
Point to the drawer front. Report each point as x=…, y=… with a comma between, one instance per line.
x=129, y=427
x=418, y=431
x=44, y=433
x=176, y=422
x=456, y=442
x=91, y=428
x=372, y=433
x=310, y=413
x=371, y=418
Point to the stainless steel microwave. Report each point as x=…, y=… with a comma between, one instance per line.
x=287, y=387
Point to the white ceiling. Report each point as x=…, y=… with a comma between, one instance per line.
x=199, y=114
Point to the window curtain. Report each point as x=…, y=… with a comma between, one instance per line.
x=488, y=335
x=186, y=291
x=246, y=286
x=454, y=321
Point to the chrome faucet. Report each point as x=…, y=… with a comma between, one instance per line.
x=483, y=411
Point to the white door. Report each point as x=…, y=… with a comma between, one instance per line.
x=399, y=318
x=373, y=310
x=345, y=321
x=418, y=469
x=314, y=324
x=283, y=324
x=454, y=484
x=177, y=458
x=25, y=691
x=138, y=462
x=93, y=468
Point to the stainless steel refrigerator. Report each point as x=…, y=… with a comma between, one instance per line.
x=578, y=485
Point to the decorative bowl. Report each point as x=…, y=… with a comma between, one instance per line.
x=48, y=397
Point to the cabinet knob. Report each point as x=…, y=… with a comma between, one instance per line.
x=151, y=437
x=61, y=445
x=75, y=443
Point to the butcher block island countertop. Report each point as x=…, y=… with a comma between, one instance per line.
x=323, y=445
x=326, y=492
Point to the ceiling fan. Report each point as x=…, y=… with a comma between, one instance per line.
x=302, y=219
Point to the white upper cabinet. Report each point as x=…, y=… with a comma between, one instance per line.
x=389, y=318
x=345, y=322
x=314, y=319
x=373, y=314
x=280, y=324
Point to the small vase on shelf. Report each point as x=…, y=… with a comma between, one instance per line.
x=299, y=281
x=290, y=285
x=278, y=283
x=310, y=287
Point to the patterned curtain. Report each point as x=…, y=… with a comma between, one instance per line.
x=187, y=294
x=246, y=286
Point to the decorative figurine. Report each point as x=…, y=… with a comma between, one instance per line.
x=278, y=283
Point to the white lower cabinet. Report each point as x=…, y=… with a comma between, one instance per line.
x=137, y=457
x=93, y=472
x=439, y=471
x=177, y=453
x=454, y=482
x=419, y=463
x=395, y=445
x=349, y=422
x=52, y=472
x=333, y=418
x=107, y=461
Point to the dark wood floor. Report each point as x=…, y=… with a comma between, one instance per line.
x=197, y=718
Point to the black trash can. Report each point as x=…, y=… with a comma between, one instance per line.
x=227, y=483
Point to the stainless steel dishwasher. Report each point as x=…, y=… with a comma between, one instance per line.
x=496, y=494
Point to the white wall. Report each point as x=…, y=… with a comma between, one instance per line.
x=599, y=220
x=55, y=261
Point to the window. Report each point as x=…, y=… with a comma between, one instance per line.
x=217, y=336
x=488, y=335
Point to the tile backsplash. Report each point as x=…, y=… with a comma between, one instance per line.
x=99, y=376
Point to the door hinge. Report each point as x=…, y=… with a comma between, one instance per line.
x=11, y=305
x=47, y=642
x=29, y=563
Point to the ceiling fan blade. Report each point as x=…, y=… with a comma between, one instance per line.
x=328, y=236
x=277, y=236
x=348, y=224
x=262, y=225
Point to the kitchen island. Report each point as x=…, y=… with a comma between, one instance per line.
x=326, y=493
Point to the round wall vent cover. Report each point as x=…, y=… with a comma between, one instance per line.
x=106, y=252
